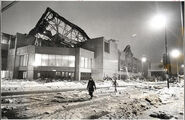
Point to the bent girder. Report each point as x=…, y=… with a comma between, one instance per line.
x=51, y=24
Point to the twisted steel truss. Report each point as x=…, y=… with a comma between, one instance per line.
x=54, y=30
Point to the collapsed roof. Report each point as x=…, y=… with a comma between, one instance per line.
x=54, y=30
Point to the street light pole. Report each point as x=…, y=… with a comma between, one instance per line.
x=166, y=52
x=177, y=72
x=176, y=53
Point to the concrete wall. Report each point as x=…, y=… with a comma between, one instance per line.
x=10, y=65
x=55, y=50
x=96, y=45
x=104, y=63
x=110, y=60
x=80, y=52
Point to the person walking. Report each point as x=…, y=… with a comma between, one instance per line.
x=91, y=87
x=115, y=84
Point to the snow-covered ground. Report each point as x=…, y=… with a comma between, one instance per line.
x=130, y=100
x=26, y=85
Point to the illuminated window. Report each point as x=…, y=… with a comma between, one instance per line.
x=58, y=73
x=44, y=60
x=86, y=62
x=71, y=61
x=63, y=74
x=51, y=60
x=37, y=60
x=90, y=63
x=24, y=75
x=65, y=61
x=82, y=62
x=66, y=74
x=23, y=60
x=72, y=74
x=58, y=60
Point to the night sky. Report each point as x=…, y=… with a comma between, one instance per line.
x=127, y=22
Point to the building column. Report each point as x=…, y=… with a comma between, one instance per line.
x=30, y=71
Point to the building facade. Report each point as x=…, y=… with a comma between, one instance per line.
x=128, y=64
x=96, y=57
x=57, y=48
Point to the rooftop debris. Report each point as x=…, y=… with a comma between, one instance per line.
x=54, y=30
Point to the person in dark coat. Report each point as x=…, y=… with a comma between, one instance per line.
x=91, y=86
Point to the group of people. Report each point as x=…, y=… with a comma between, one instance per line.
x=91, y=86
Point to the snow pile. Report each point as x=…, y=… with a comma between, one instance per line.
x=168, y=94
x=26, y=85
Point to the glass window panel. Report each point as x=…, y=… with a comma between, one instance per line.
x=25, y=61
x=62, y=74
x=52, y=60
x=89, y=62
x=37, y=60
x=71, y=61
x=24, y=75
x=65, y=61
x=44, y=60
x=106, y=47
x=58, y=60
x=58, y=73
x=72, y=74
x=82, y=62
x=66, y=74
x=69, y=74
x=86, y=62
x=21, y=60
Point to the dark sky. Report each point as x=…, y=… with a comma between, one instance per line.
x=113, y=20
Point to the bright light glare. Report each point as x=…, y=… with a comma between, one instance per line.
x=175, y=53
x=158, y=21
x=134, y=35
x=143, y=59
x=182, y=65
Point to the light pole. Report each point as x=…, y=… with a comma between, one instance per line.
x=175, y=54
x=158, y=22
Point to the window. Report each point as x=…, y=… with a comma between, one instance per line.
x=44, y=60
x=58, y=73
x=37, y=60
x=63, y=74
x=85, y=62
x=4, y=40
x=90, y=63
x=24, y=75
x=51, y=60
x=82, y=60
x=58, y=60
x=107, y=47
x=38, y=75
x=65, y=61
x=54, y=60
x=23, y=60
x=71, y=61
